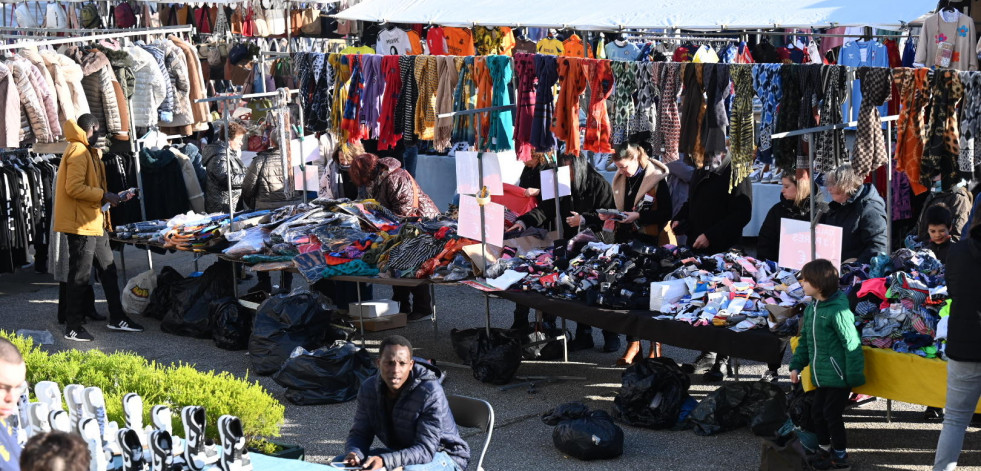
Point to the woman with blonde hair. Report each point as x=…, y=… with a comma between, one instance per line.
x=795, y=203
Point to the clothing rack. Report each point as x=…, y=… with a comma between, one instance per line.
x=96, y=37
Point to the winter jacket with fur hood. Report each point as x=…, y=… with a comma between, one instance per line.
x=29, y=99
x=80, y=187
x=150, y=87
x=67, y=76
x=264, y=183
x=9, y=109
x=651, y=199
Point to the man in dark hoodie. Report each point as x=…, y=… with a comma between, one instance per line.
x=963, y=349
x=405, y=407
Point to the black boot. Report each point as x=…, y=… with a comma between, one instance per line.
x=611, y=342
x=584, y=338
x=520, y=318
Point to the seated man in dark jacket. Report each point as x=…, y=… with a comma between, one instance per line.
x=405, y=407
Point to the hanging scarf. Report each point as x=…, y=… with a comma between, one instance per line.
x=342, y=75
x=374, y=91
x=941, y=149
x=766, y=78
x=524, y=66
x=351, y=121
x=387, y=136
x=501, y=130
x=645, y=119
x=572, y=78
x=668, y=133
x=625, y=77
x=692, y=112
x=428, y=81
x=870, y=144
x=742, y=126
x=485, y=96
x=447, y=70
x=598, y=130
x=405, y=110
x=810, y=87
x=323, y=94
x=547, y=71
x=834, y=87
x=717, y=78
x=465, y=98
x=914, y=94
x=788, y=115
x=970, y=120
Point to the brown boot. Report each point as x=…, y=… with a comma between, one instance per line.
x=633, y=349
x=655, y=350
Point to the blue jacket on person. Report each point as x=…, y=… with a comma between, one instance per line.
x=421, y=422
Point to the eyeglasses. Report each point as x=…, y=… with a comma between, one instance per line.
x=16, y=391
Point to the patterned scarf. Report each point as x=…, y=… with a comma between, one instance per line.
x=646, y=117
x=599, y=75
x=716, y=78
x=428, y=81
x=810, y=87
x=406, y=107
x=769, y=88
x=387, y=136
x=342, y=70
x=322, y=96
x=692, y=113
x=374, y=91
x=622, y=102
x=464, y=98
x=914, y=94
x=669, y=120
x=970, y=121
x=447, y=68
x=547, y=70
x=942, y=147
x=500, y=135
x=870, y=143
x=352, y=106
x=830, y=149
x=524, y=65
x=742, y=126
x=788, y=115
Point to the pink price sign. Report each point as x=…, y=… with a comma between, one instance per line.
x=795, y=243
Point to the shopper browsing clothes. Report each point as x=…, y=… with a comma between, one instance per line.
x=13, y=376
x=80, y=196
x=963, y=349
x=590, y=192
x=219, y=166
x=388, y=183
x=713, y=219
x=266, y=187
x=641, y=194
x=859, y=211
x=830, y=345
x=406, y=409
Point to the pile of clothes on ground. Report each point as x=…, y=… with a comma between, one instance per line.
x=900, y=301
x=323, y=238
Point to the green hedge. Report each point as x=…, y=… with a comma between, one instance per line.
x=175, y=385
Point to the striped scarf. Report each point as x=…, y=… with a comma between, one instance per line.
x=741, y=125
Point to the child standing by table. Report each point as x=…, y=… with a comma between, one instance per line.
x=830, y=344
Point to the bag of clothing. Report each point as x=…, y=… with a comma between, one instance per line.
x=584, y=434
x=760, y=405
x=652, y=393
x=284, y=322
x=799, y=407
x=136, y=295
x=188, y=311
x=495, y=359
x=231, y=324
x=327, y=375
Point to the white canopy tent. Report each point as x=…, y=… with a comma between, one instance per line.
x=642, y=14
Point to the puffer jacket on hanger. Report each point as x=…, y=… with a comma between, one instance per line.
x=33, y=106
x=99, y=91
x=9, y=108
x=67, y=76
x=150, y=87
x=199, y=111
x=122, y=70
x=177, y=68
x=166, y=110
x=44, y=87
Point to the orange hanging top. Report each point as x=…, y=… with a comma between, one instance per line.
x=459, y=42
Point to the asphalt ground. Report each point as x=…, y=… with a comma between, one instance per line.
x=520, y=441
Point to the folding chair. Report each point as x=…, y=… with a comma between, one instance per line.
x=474, y=413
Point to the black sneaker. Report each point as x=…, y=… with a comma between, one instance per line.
x=933, y=414
x=702, y=364
x=125, y=325
x=771, y=376
x=419, y=316
x=78, y=334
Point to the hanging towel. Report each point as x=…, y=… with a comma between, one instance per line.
x=547, y=71
x=428, y=81
x=598, y=129
x=742, y=126
x=766, y=78
x=446, y=69
x=387, y=136
x=942, y=149
x=834, y=85
x=501, y=122
x=668, y=131
x=622, y=102
x=465, y=98
x=870, y=143
x=524, y=67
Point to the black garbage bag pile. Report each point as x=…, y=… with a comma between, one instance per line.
x=760, y=405
x=327, y=375
x=462, y=340
x=185, y=304
x=167, y=280
x=584, y=434
x=799, y=407
x=652, y=393
x=494, y=359
x=284, y=322
x=231, y=324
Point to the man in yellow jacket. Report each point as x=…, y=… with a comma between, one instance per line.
x=79, y=198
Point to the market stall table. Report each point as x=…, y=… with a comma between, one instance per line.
x=756, y=345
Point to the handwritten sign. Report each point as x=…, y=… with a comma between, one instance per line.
x=795, y=243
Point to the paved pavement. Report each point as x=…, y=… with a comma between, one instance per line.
x=520, y=441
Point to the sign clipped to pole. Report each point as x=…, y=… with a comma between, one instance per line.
x=795, y=243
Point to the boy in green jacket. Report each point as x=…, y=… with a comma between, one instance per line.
x=830, y=344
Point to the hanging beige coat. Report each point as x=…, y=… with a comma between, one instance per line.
x=67, y=76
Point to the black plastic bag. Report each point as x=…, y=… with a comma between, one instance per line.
x=495, y=359
x=463, y=340
x=652, y=393
x=189, y=305
x=160, y=297
x=231, y=324
x=327, y=375
x=759, y=404
x=799, y=407
x=584, y=434
x=284, y=322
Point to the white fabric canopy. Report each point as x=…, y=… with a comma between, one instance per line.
x=641, y=14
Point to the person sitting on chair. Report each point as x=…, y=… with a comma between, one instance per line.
x=405, y=407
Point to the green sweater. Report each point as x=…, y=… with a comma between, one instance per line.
x=830, y=344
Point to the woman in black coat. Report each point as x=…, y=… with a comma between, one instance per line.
x=859, y=211
x=590, y=192
x=795, y=203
